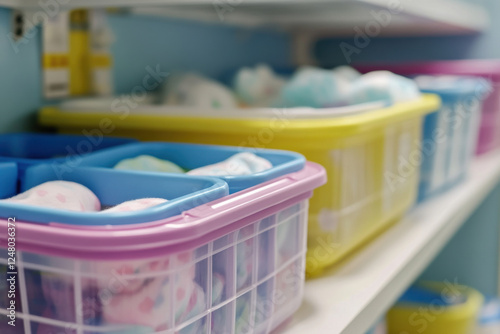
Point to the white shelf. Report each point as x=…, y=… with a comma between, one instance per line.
x=354, y=296
x=331, y=17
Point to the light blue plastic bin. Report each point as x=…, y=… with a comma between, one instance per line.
x=191, y=156
x=8, y=179
x=28, y=149
x=113, y=187
x=450, y=135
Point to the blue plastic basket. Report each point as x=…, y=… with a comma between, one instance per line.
x=450, y=135
x=28, y=149
x=113, y=187
x=191, y=156
x=8, y=179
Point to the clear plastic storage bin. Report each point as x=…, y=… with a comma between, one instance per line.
x=234, y=265
x=450, y=135
x=368, y=152
x=489, y=133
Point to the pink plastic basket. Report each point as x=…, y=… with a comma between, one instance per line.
x=489, y=135
x=235, y=265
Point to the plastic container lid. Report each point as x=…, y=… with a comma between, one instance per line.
x=191, y=156
x=86, y=106
x=486, y=68
x=307, y=125
x=195, y=227
x=8, y=179
x=114, y=187
x=430, y=295
x=454, y=85
x=27, y=149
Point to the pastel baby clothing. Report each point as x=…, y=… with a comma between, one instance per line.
x=149, y=164
x=196, y=91
x=59, y=291
x=62, y=195
x=383, y=86
x=347, y=73
x=146, y=294
x=316, y=88
x=137, y=294
x=72, y=196
x=258, y=86
x=245, y=163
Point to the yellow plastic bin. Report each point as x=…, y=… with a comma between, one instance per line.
x=371, y=154
x=453, y=309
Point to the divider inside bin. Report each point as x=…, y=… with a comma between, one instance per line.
x=190, y=156
x=8, y=179
x=115, y=187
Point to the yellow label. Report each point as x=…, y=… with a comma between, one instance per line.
x=101, y=60
x=79, y=55
x=54, y=60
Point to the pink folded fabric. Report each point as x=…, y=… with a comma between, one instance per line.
x=62, y=195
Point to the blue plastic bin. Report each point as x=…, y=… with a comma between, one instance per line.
x=191, y=156
x=28, y=149
x=8, y=179
x=450, y=135
x=113, y=187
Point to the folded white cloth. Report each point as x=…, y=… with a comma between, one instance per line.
x=239, y=164
x=149, y=163
x=196, y=91
x=383, y=85
x=259, y=86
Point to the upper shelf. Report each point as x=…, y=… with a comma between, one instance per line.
x=332, y=17
x=352, y=297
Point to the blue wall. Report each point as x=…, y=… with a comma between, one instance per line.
x=472, y=256
x=486, y=45
x=177, y=45
x=20, y=80
x=140, y=42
